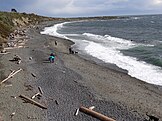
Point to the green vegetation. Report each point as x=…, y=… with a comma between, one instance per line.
x=10, y=20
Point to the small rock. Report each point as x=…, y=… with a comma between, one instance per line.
x=30, y=58
x=56, y=102
x=12, y=114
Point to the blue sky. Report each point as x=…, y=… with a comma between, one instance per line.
x=79, y=8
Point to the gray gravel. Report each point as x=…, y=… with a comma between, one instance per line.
x=73, y=81
x=67, y=86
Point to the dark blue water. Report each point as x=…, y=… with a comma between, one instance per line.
x=139, y=29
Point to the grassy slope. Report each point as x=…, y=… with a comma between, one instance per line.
x=7, y=25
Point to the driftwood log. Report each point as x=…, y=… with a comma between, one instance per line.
x=10, y=75
x=37, y=94
x=76, y=112
x=40, y=90
x=12, y=72
x=34, y=75
x=33, y=101
x=95, y=114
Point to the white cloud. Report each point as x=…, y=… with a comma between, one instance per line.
x=157, y=2
x=92, y=7
x=69, y=7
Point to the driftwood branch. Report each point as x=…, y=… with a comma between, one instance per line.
x=40, y=90
x=95, y=114
x=33, y=74
x=92, y=107
x=35, y=95
x=33, y=101
x=76, y=112
x=10, y=75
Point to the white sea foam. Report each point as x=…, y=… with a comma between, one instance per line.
x=107, y=49
x=73, y=35
x=136, y=18
x=138, y=69
x=53, y=30
x=152, y=22
x=109, y=41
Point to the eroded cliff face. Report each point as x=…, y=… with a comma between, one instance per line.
x=21, y=21
x=10, y=21
x=6, y=29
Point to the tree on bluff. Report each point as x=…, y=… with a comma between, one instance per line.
x=13, y=10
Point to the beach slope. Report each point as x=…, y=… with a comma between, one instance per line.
x=71, y=82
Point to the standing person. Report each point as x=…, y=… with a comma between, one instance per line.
x=70, y=50
x=52, y=58
x=55, y=42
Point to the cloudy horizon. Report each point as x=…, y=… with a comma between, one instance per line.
x=84, y=8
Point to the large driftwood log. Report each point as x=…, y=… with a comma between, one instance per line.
x=33, y=101
x=10, y=75
x=95, y=114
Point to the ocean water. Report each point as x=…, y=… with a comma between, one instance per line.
x=133, y=43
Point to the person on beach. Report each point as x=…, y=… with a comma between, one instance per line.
x=71, y=51
x=56, y=43
x=52, y=58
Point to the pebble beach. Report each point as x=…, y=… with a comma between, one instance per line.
x=68, y=83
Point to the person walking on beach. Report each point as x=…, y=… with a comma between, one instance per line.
x=52, y=58
x=56, y=43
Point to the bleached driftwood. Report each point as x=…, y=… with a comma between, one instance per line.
x=76, y=112
x=10, y=85
x=92, y=107
x=12, y=72
x=40, y=90
x=33, y=101
x=95, y=114
x=12, y=114
x=34, y=75
x=9, y=48
x=35, y=95
x=10, y=75
x=19, y=61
